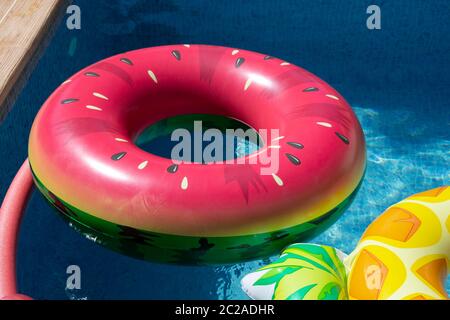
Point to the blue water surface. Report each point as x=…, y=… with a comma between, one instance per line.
x=397, y=79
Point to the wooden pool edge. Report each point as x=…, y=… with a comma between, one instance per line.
x=25, y=28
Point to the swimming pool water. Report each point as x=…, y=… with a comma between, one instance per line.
x=396, y=79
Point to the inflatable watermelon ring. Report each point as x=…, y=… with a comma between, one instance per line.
x=84, y=159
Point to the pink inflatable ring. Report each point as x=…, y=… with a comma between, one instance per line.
x=84, y=159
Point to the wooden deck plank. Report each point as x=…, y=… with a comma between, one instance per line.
x=23, y=25
x=5, y=7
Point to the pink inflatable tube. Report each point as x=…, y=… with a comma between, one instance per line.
x=10, y=217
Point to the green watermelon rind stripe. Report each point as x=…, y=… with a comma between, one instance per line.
x=177, y=248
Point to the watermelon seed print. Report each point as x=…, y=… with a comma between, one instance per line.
x=118, y=156
x=176, y=54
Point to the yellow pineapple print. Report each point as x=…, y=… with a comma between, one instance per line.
x=405, y=252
